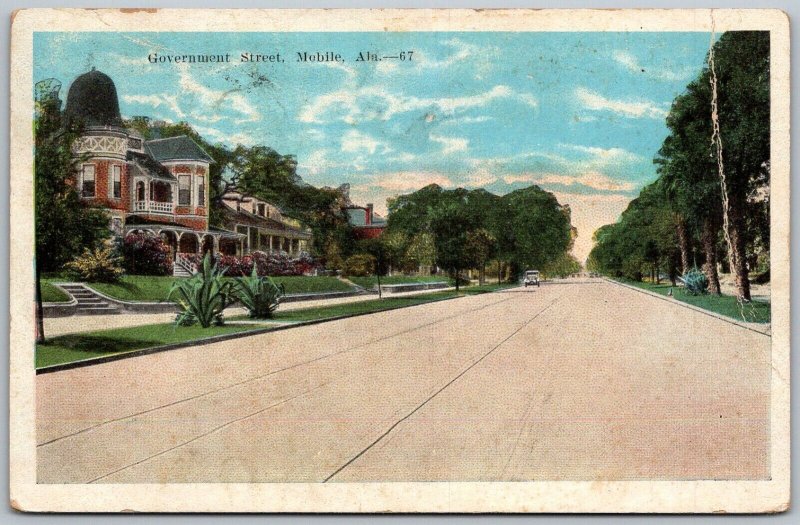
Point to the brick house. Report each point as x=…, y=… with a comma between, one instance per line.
x=160, y=186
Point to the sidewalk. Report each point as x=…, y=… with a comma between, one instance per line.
x=54, y=326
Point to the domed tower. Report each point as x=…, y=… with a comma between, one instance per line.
x=92, y=101
x=104, y=144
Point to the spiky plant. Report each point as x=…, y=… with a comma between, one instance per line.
x=695, y=282
x=202, y=297
x=260, y=295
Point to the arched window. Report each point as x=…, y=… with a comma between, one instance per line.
x=140, y=191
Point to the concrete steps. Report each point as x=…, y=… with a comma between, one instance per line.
x=89, y=303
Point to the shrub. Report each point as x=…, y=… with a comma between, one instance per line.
x=146, y=255
x=260, y=295
x=203, y=297
x=101, y=265
x=695, y=282
x=359, y=265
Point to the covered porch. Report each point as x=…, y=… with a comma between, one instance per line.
x=185, y=241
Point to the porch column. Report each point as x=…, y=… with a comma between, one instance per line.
x=270, y=244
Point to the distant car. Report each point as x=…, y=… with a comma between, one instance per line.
x=531, y=278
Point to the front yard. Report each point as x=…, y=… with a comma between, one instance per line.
x=370, y=282
x=152, y=288
x=727, y=305
x=101, y=343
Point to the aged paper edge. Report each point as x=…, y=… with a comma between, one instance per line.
x=545, y=496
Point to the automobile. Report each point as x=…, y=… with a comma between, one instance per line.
x=531, y=278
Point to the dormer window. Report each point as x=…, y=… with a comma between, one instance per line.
x=262, y=210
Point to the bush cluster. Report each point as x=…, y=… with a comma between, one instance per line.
x=101, y=265
x=145, y=254
x=274, y=264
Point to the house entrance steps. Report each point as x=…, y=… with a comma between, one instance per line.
x=89, y=303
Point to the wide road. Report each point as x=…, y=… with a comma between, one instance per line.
x=580, y=380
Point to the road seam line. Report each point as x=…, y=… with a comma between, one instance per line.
x=439, y=391
x=259, y=377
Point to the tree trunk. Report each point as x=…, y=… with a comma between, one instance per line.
x=738, y=259
x=498, y=272
x=709, y=239
x=683, y=244
x=457, y=272
x=39, y=308
x=482, y=276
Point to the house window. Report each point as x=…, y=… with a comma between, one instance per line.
x=184, y=190
x=262, y=210
x=201, y=191
x=140, y=191
x=87, y=181
x=115, y=188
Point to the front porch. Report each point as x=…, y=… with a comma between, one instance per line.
x=182, y=240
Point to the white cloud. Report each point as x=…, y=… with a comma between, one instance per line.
x=632, y=109
x=216, y=135
x=401, y=181
x=591, y=179
x=354, y=141
x=213, y=99
x=603, y=157
x=377, y=103
x=629, y=62
x=450, y=144
x=156, y=101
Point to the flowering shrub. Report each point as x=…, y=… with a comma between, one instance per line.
x=275, y=264
x=101, y=265
x=145, y=254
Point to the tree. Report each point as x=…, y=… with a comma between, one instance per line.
x=450, y=224
x=65, y=227
x=536, y=228
x=481, y=245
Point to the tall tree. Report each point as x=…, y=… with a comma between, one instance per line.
x=64, y=225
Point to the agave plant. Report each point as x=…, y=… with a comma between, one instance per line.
x=260, y=295
x=695, y=282
x=203, y=296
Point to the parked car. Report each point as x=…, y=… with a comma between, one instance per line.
x=531, y=278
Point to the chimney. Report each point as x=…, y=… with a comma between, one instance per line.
x=369, y=213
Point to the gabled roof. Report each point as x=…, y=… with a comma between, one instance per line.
x=176, y=148
x=233, y=217
x=146, y=165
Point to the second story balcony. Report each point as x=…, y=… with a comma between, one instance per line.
x=154, y=207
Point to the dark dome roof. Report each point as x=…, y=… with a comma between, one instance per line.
x=92, y=99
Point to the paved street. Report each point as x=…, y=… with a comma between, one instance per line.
x=580, y=380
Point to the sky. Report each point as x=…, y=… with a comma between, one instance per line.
x=578, y=114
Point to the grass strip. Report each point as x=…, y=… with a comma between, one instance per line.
x=101, y=343
x=369, y=282
x=727, y=305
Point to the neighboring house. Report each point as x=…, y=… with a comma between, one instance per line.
x=365, y=222
x=263, y=225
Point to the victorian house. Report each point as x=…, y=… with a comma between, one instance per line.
x=161, y=186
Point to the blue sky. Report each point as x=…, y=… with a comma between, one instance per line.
x=579, y=114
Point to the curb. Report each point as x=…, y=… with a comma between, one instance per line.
x=216, y=339
x=692, y=307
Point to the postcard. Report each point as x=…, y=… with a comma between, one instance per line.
x=400, y=261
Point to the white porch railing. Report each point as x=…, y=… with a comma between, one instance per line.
x=154, y=207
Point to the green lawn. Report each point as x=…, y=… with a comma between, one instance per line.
x=51, y=294
x=376, y=305
x=727, y=305
x=77, y=347
x=156, y=288
x=369, y=282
